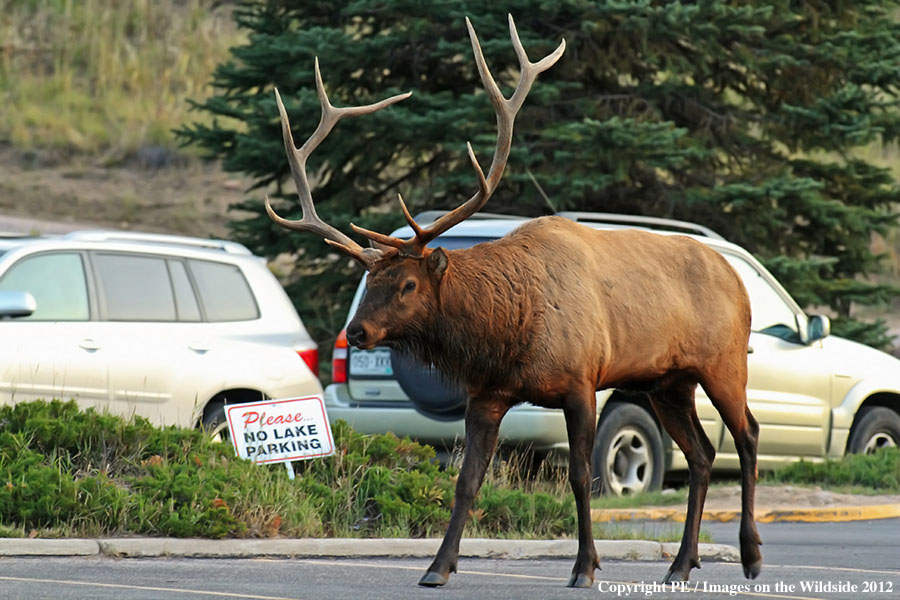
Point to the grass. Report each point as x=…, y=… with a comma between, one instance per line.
x=658, y=498
x=106, y=78
x=874, y=474
x=877, y=473
x=67, y=472
x=643, y=530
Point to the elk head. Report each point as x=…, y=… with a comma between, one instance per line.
x=405, y=275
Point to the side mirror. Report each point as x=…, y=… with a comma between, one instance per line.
x=16, y=304
x=819, y=327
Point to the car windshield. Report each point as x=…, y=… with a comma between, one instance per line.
x=455, y=243
x=770, y=313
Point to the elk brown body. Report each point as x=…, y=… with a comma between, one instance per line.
x=548, y=315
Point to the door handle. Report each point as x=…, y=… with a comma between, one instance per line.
x=198, y=348
x=89, y=345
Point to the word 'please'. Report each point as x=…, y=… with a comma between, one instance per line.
x=263, y=419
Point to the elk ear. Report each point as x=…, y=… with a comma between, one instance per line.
x=437, y=262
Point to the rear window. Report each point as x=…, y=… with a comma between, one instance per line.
x=135, y=288
x=224, y=292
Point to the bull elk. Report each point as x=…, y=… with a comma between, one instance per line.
x=547, y=315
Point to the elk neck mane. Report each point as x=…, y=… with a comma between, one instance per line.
x=488, y=316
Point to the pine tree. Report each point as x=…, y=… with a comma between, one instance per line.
x=742, y=116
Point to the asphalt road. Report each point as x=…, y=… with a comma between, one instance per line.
x=857, y=544
x=803, y=561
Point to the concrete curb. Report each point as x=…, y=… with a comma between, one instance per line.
x=36, y=547
x=316, y=548
x=806, y=515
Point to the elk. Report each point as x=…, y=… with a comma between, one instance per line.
x=548, y=315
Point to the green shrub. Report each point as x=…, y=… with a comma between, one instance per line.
x=64, y=471
x=878, y=472
x=378, y=485
x=536, y=514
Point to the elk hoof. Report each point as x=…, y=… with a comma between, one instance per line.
x=674, y=575
x=580, y=580
x=432, y=579
x=752, y=570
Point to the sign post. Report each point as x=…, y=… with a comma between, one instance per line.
x=280, y=430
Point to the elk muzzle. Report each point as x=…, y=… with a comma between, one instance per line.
x=363, y=335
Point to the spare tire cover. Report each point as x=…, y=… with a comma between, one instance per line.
x=431, y=394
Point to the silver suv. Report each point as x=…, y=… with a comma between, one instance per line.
x=166, y=327
x=815, y=395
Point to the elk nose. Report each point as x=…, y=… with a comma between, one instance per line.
x=356, y=334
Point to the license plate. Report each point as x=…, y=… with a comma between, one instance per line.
x=368, y=363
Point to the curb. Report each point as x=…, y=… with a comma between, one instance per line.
x=804, y=515
x=36, y=547
x=317, y=548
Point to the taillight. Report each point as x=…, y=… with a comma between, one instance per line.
x=311, y=358
x=339, y=359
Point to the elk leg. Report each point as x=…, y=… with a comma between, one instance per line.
x=482, y=428
x=580, y=424
x=731, y=402
x=674, y=406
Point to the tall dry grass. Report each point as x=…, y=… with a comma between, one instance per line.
x=106, y=76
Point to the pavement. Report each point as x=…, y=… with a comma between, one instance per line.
x=774, y=503
x=318, y=548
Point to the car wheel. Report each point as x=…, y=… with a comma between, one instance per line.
x=628, y=452
x=214, y=422
x=877, y=427
x=428, y=390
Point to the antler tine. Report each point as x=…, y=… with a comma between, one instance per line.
x=506, y=113
x=506, y=110
x=297, y=159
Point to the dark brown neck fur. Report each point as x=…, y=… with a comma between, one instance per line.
x=488, y=316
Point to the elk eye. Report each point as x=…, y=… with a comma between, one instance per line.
x=410, y=286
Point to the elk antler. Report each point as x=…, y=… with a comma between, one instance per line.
x=297, y=159
x=506, y=110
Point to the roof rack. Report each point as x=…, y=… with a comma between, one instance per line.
x=658, y=222
x=430, y=216
x=158, y=238
x=18, y=235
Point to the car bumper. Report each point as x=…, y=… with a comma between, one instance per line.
x=540, y=429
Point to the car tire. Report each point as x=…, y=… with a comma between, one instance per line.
x=628, y=452
x=876, y=427
x=431, y=394
x=214, y=423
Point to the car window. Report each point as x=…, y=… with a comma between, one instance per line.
x=224, y=292
x=457, y=242
x=135, y=288
x=770, y=313
x=185, y=300
x=57, y=282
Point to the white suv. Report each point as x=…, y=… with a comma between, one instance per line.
x=815, y=395
x=166, y=327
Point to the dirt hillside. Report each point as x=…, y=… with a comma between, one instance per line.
x=184, y=197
